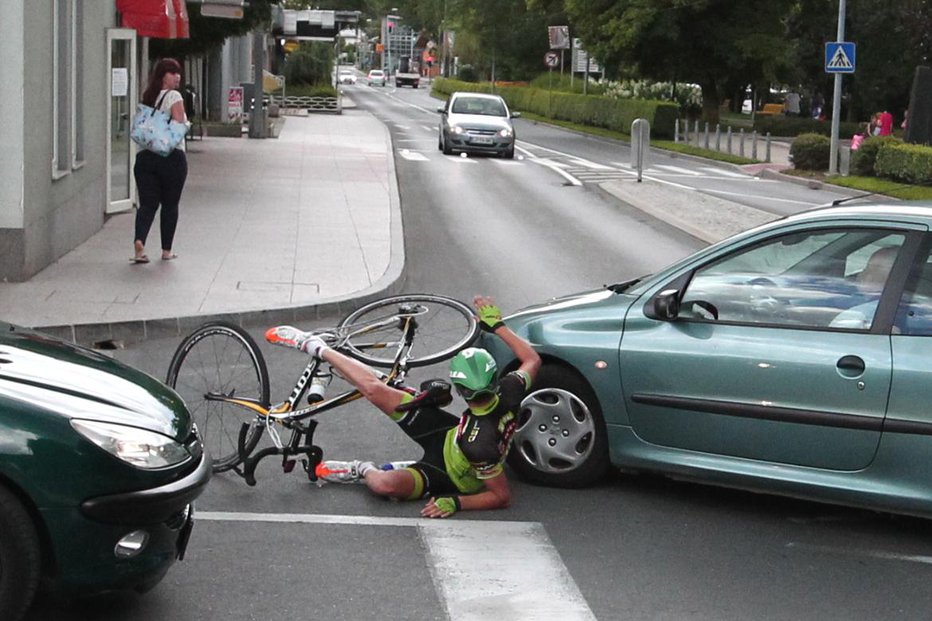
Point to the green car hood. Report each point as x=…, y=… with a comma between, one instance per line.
x=80, y=383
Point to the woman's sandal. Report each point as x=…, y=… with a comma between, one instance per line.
x=140, y=259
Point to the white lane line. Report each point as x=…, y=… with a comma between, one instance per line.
x=413, y=156
x=676, y=169
x=507, y=571
x=588, y=164
x=428, y=129
x=554, y=167
x=725, y=173
x=887, y=556
x=500, y=571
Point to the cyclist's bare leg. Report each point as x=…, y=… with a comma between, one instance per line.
x=391, y=484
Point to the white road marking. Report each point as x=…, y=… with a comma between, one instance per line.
x=556, y=168
x=881, y=554
x=726, y=173
x=588, y=164
x=413, y=156
x=765, y=197
x=676, y=169
x=481, y=569
x=428, y=129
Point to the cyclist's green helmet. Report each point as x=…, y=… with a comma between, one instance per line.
x=473, y=372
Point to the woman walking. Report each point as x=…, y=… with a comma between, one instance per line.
x=160, y=180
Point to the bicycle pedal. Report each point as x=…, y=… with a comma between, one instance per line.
x=288, y=465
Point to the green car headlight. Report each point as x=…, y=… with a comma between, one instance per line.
x=137, y=447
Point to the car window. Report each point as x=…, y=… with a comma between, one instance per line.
x=914, y=314
x=478, y=105
x=816, y=279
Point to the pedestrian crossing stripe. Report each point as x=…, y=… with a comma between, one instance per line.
x=840, y=60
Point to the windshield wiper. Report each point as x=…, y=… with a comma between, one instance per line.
x=624, y=286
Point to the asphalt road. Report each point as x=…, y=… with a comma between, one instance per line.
x=633, y=547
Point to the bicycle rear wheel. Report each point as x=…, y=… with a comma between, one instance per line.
x=220, y=358
x=444, y=327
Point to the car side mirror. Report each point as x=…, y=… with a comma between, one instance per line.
x=442, y=109
x=515, y=115
x=664, y=306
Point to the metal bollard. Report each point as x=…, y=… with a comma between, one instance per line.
x=767, y=158
x=706, y=136
x=718, y=137
x=729, y=140
x=676, y=130
x=754, y=145
x=844, y=161
x=741, y=144
x=696, y=132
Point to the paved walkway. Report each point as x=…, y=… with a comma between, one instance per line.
x=295, y=225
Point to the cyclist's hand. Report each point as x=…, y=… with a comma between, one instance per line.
x=441, y=507
x=314, y=345
x=490, y=316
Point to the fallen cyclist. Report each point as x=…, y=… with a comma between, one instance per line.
x=462, y=468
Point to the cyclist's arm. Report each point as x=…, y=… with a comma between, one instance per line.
x=363, y=379
x=496, y=495
x=530, y=360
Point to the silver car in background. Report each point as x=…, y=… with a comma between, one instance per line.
x=376, y=77
x=477, y=123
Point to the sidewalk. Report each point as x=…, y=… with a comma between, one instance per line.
x=277, y=229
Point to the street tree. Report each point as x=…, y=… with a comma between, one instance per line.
x=716, y=44
x=209, y=33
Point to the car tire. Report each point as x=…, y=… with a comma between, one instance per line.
x=20, y=558
x=509, y=154
x=560, y=417
x=445, y=147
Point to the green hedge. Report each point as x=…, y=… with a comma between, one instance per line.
x=810, y=152
x=597, y=111
x=911, y=163
x=779, y=125
x=863, y=160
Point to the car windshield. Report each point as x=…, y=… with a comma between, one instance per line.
x=375, y=74
x=479, y=105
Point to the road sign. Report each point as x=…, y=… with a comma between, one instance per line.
x=839, y=57
x=552, y=59
x=559, y=37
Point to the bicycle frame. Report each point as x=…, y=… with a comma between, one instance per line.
x=301, y=442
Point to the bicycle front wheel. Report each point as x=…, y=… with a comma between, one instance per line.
x=443, y=326
x=220, y=359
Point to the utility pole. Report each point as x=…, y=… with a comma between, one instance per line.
x=257, y=120
x=836, y=99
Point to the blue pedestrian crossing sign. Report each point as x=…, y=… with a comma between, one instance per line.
x=839, y=57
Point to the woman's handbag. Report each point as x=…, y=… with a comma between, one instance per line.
x=155, y=130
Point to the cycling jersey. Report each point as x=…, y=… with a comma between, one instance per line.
x=473, y=448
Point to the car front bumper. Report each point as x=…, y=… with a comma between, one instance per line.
x=480, y=144
x=84, y=539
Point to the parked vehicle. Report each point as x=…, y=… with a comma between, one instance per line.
x=477, y=123
x=407, y=74
x=791, y=359
x=99, y=466
x=376, y=77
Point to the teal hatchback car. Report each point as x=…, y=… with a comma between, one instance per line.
x=99, y=466
x=794, y=358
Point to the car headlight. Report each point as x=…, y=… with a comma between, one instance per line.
x=456, y=129
x=505, y=133
x=137, y=447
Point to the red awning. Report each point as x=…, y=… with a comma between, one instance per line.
x=159, y=19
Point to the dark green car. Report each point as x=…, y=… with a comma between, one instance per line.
x=795, y=358
x=99, y=465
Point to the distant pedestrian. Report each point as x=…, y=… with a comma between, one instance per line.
x=859, y=137
x=817, y=103
x=903, y=125
x=873, y=127
x=160, y=180
x=791, y=104
x=886, y=124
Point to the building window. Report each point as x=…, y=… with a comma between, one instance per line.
x=67, y=87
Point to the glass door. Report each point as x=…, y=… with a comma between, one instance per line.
x=121, y=103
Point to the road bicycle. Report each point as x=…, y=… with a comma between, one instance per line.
x=222, y=376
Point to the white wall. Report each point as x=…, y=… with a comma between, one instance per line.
x=12, y=135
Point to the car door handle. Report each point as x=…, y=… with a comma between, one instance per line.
x=851, y=364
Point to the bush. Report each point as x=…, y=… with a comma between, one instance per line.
x=810, y=152
x=468, y=73
x=560, y=82
x=309, y=64
x=309, y=90
x=779, y=125
x=863, y=160
x=904, y=162
x=614, y=114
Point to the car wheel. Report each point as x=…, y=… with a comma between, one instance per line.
x=560, y=439
x=509, y=154
x=20, y=559
x=445, y=147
